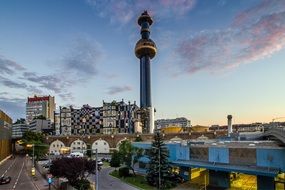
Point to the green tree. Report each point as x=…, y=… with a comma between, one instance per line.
x=40, y=117
x=37, y=139
x=20, y=121
x=159, y=172
x=115, y=160
x=129, y=154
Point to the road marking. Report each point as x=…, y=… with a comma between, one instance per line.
x=8, y=168
x=14, y=187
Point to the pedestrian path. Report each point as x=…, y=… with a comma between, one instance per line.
x=38, y=180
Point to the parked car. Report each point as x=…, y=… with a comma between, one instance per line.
x=4, y=180
x=100, y=163
x=76, y=154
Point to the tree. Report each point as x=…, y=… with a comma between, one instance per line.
x=129, y=154
x=76, y=170
x=115, y=160
x=20, y=121
x=37, y=139
x=40, y=117
x=159, y=166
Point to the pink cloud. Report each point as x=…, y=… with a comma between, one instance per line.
x=246, y=41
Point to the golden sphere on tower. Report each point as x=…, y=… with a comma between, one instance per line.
x=145, y=47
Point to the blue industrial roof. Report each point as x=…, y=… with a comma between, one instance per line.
x=253, y=170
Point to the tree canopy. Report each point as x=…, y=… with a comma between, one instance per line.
x=129, y=154
x=76, y=170
x=20, y=121
x=115, y=159
x=159, y=172
x=40, y=117
x=37, y=139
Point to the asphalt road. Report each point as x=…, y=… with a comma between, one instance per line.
x=107, y=182
x=16, y=169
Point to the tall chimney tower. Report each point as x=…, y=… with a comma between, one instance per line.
x=145, y=50
x=230, y=127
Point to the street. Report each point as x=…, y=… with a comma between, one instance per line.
x=16, y=169
x=107, y=182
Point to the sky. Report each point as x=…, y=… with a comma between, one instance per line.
x=215, y=57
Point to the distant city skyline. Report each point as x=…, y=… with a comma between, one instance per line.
x=215, y=57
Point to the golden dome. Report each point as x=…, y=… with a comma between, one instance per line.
x=145, y=47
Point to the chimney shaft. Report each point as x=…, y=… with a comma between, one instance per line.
x=230, y=128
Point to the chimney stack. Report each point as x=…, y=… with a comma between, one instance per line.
x=230, y=127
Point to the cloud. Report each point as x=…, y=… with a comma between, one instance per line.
x=66, y=96
x=50, y=82
x=242, y=43
x=14, y=107
x=9, y=67
x=83, y=58
x=122, y=12
x=118, y=89
x=11, y=84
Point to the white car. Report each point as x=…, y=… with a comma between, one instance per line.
x=76, y=154
x=100, y=163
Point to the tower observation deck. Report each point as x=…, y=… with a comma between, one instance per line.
x=145, y=50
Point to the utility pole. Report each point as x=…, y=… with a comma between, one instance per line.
x=97, y=173
x=159, y=168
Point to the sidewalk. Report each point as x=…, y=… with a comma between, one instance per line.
x=39, y=181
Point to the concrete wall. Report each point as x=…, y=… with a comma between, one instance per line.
x=219, y=155
x=271, y=158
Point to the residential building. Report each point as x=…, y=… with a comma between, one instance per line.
x=41, y=125
x=57, y=123
x=5, y=135
x=40, y=105
x=18, y=130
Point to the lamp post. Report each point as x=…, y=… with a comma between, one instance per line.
x=97, y=176
x=159, y=169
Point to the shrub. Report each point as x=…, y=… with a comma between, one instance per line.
x=82, y=184
x=124, y=172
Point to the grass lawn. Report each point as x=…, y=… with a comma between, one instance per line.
x=106, y=164
x=137, y=181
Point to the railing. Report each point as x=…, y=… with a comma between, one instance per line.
x=277, y=132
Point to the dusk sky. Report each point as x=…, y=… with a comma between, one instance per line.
x=215, y=57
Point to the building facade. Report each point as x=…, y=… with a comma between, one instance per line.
x=65, y=120
x=5, y=135
x=181, y=122
x=18, y=130
x=86, y=120
x=119, y=117
x=40, y=105
x=112, y=118
x=42, y=126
